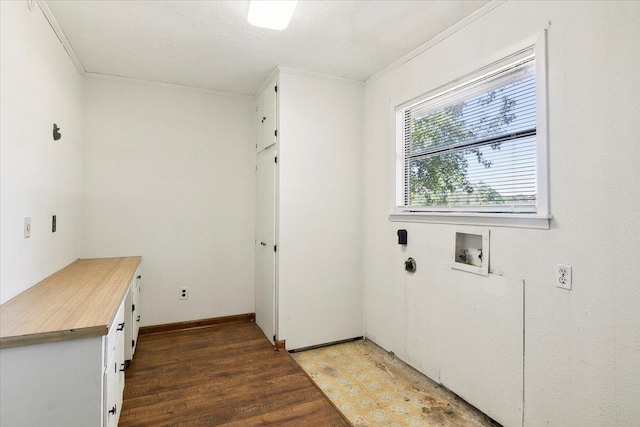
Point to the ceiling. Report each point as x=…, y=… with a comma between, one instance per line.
x=210, y=45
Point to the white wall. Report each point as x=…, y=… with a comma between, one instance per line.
x=320, y=210
x=169, y=174
x=39, y=177
x=582, y=348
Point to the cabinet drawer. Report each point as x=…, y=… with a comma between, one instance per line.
x=116, y=329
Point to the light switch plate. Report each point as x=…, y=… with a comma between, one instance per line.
x=27, y=227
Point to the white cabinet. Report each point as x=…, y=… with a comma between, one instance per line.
x=317, y=297
x=72, y=383
x=135, y=312
x=266, y=115
x=132, y=310
x=63, y=363
x=260, y=118
x=266, y=169
x=265, y=242
x=113, y=378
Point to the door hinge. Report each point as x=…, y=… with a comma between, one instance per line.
x=133, y=343
x=276, y=88
x=275, y=132
x=133, y=307
x=274, y=338
x=275, y=248
x=275, y=159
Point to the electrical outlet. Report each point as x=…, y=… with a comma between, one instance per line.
x=184, y=293
x=27, y=227
x=563, y=276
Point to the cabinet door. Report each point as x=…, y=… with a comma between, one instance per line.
x=114, y=387
x=113, y=380
x=111, y=385
x=270, y=125
x=119, y=366
x=265, y=243
x=116, y=329
x=136, y=311
x=260, y=119
x=129, y=308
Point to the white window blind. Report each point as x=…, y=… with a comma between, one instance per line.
x=474, y=147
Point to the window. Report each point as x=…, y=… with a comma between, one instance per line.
x=478, y=147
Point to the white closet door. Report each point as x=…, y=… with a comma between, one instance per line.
x=260, y=119
x=268, y=101
x=265, y=242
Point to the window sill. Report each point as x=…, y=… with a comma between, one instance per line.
x=535, y=221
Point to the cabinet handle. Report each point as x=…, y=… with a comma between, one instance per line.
x=263, y=243
x=122, y=367
x=113, y=410
x=138, y=318
x=120, y=326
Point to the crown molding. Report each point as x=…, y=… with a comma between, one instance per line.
x=437, y=39
x=264, y=85
x=284, y=70
x=57, y=29
x=140, y=82
x=319, y=76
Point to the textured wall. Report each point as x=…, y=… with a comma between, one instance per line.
x=582, y=348
x=169, y=174
x=39, y=177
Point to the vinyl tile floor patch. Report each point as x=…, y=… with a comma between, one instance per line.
x=371, y=387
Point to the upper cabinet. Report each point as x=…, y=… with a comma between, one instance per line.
x=266, y=103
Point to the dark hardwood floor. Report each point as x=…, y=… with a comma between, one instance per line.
x=227, y=375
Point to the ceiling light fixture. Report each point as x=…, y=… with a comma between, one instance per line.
x=274, y=15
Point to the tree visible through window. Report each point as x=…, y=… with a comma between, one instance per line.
x=473, y=148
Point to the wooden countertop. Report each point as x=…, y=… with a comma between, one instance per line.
x=79, y=301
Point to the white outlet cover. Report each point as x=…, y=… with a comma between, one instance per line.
x=563, y=276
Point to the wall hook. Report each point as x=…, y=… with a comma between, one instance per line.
x=56, y=132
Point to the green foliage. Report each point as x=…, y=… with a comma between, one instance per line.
x=438, y=179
